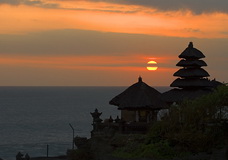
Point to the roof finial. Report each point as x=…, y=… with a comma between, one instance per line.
x=140, y=79
x=190, y=45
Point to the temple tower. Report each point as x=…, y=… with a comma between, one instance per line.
x=192, y=81
x=191, y=75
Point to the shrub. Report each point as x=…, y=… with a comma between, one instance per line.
x=191, y=127
x=194, y=125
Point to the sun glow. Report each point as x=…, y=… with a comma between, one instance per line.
x=152, y=62
x=152, y=66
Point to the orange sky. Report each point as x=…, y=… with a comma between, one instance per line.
x=24, y=19
x=84, y=40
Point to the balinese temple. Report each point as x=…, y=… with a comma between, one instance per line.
x=139, y=103
x=192, y=75
x=192, y=81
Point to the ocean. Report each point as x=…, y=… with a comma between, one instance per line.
x=33, y=117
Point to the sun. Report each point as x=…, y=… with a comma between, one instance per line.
x=152, y=66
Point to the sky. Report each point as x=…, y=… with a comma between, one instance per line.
x=108, y=42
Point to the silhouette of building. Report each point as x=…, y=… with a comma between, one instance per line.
x=192, y=81
x=139, y=103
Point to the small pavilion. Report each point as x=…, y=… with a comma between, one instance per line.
x=192, y=81
x=139, y=103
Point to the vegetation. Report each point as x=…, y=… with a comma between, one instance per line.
x=80, y=154
x=191, y=127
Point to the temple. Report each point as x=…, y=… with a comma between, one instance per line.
x=192, y=81
x=139, y=105
x=192, y=75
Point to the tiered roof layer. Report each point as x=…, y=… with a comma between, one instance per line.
x=191, y=53
x=192, y=81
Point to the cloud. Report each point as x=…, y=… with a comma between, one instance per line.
x=177, y=24
x=39, y=3
x=90, y=43
x=79, y=42
x=196, y=6
x=93, y=43
x=12, y=2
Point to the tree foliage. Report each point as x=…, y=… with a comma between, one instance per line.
x=195, y=126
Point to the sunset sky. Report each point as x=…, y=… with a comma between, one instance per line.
x=108, y=42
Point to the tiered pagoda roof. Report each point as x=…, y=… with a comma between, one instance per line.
x=192, y=80
x=191, y=75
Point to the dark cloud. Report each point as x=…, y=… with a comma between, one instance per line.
x=82, y=42
x=79, y=42
x=30, y=2
x=197, y=6
x=12, y=2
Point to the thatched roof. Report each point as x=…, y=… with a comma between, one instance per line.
x=191, y=53
x=139, y=96
x=186, y=63
x=191, y=72
x=191, y=82
x=178, y=95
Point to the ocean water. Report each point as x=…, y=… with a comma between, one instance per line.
x=33, y=117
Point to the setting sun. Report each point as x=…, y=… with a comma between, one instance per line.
x=152, y=66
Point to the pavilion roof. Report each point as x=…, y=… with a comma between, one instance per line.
x=191, y=53
x=139, y=96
